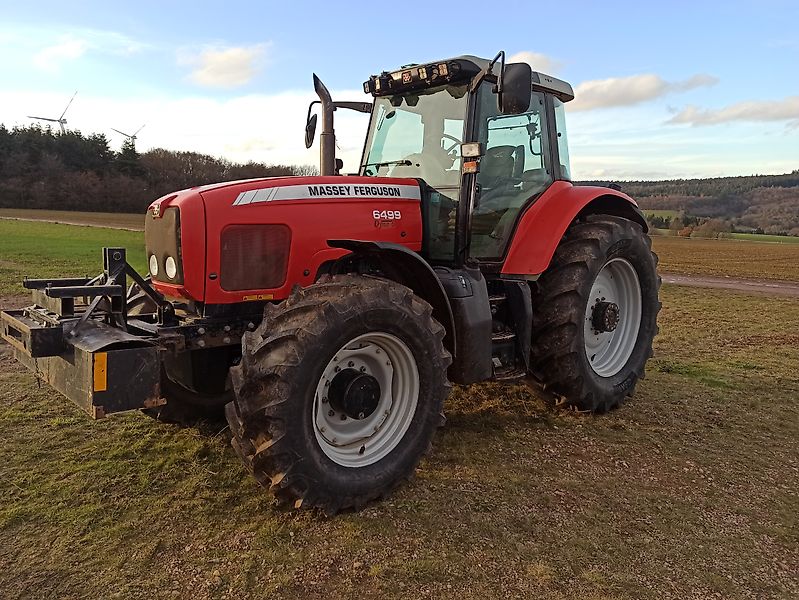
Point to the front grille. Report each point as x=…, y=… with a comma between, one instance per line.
x=254, y=257
x=162, y=239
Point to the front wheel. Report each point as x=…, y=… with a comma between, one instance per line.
x=595, y=313
x=339, y=392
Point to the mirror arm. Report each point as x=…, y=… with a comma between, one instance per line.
x=489, y=70
x=362, y=107
x=501, y=75
x=310, y=108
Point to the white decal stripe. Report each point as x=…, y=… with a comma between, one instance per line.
x=349, y=190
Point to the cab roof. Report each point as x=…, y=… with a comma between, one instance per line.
x=461, y=67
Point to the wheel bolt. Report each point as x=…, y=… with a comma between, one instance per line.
x=363, y=369
x=337, y=369
x=343, y=417
x=331, y=413
x=324, y=400
x=350, y=364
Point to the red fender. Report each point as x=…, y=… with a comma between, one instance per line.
x=543, y=224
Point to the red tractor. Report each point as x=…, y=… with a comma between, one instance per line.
x=329, y=314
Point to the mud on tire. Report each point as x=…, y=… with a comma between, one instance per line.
x=561, y=299
x=274, y=419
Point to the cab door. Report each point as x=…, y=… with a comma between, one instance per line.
x=514, y=170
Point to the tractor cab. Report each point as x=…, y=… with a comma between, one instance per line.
x=485, y=138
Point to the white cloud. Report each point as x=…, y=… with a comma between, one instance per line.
x=74, y=45
x=539, y=62
x=265, y=128
x=786, y=109
x=52, y=58
x=225, y=67
x=628, y=91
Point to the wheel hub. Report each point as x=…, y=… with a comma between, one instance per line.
x=605, y=316
x=354, y=393
x=366, y=399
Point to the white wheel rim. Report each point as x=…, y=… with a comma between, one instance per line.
x=608, y=351
x=353, y=442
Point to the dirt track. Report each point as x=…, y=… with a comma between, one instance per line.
x=76, y=221
x=757, y=286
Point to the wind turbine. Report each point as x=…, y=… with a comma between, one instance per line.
x=131, y=137
x=60, y=120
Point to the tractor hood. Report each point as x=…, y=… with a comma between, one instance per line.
x=253, y=239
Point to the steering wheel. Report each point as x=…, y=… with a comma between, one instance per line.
x=455, y=142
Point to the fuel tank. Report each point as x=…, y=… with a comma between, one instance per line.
x=254, y=240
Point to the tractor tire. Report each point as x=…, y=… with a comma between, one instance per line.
x=339, y=392
x=595, y=314
x=183, y=406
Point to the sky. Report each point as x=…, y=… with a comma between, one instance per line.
x=663, y=90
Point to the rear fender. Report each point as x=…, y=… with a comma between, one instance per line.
x=544, y=223
x=404, y=266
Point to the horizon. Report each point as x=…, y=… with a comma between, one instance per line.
x=236, y=163
x=695, y=103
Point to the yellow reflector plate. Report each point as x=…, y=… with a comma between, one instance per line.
x=100, y=372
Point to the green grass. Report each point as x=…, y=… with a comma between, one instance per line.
x=747, y=237
x=689, y=490
x=51, y=250
x=762, y=237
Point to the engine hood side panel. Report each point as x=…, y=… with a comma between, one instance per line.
x=315, y=209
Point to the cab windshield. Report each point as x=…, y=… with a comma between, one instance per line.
x=418, y=135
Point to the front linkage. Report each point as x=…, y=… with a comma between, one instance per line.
x=77, y=338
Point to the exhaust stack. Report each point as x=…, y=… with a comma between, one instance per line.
x=327, y=139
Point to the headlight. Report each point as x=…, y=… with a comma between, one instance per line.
x=153, y=265
x=171, y=267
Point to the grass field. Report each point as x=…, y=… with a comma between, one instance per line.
x=758, y=237
x=49, y=250
x=688, y=491
x=731, y=258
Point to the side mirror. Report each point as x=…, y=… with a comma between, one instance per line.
x=514, y=89
x=310, y=131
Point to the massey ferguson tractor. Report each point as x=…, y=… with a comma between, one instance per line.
x=328, y=315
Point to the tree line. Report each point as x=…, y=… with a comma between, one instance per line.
x=750, y=204
x=707, y=187
x=46, y=169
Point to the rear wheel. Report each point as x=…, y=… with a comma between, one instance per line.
x=339, y=392
x=595, y=313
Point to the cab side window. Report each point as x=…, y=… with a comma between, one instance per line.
x=514, y=169
x=563, y=144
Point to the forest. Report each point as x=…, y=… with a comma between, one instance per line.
x=46, y=169
x=749, y=204
x=41, y=168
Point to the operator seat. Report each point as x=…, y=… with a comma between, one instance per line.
x=497, y=166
